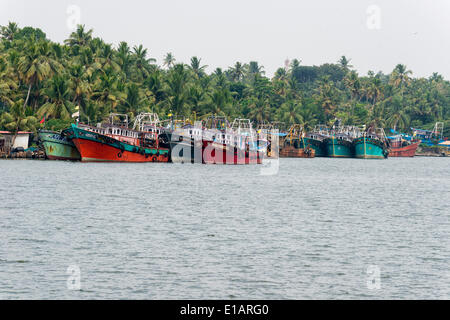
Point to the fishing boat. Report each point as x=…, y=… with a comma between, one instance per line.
x=57, y=146
x=430, y=138
x=185, y=142
x=372, y=144
x=111, y=142
x=314, y=140
x=339, y=144
x=271, y=134
x=237, y=144
x=293, y=144
x=402, y=145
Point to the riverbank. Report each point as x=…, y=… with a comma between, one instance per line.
x=434, y=151
x=26, y=154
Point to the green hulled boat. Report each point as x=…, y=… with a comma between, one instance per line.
x=315, y=144
x=338, y=146
x=58, y=147
x=314, y=140
x=371, y=146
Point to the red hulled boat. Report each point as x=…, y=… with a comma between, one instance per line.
x=400, y=147
x=117, y=143
x=404, y=151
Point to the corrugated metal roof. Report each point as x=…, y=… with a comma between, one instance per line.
x=20, y=132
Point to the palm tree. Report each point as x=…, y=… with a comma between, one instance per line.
x=135, y=100
x=220, y=99
x=345, y=63
x=141, y=62
x=10, y=31
x=105, y=57
x=80, y=88
x=290, y=112
x=86, y=58
x=400, y=77
x=154, y=86
x=353, y=84
x=196, y=67
x=169, y=60
x=255, y=69
x=107, y=92
x=398, y=115
x=327, y=97
x=399, y=118
x=374, y=91
x=16, y=120
x=281, y=74
x=79, y=37
x=123, y=57
x=196, y=98
x=58, y=103
x=36, y=65
x=237, y=72
x=295, y=64
x=176, y=92
x=260, y=109
x=7, y=83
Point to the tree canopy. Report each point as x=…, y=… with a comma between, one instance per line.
x=40, y=78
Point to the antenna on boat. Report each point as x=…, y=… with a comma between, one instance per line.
x=438, y=130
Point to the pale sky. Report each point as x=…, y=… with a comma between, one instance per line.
x=376, y=35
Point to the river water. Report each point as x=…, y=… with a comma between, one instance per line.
x=313, y=229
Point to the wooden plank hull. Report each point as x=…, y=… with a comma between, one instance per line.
x=407, y=151
x=292, y=152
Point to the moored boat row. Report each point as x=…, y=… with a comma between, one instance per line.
x=149, y=141
x=215, y=141
x=337, y=142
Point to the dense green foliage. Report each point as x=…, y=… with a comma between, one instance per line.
x=41, y=78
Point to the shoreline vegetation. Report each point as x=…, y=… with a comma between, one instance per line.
x=43, y=83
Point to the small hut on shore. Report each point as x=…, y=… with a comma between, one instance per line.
x=6, y=141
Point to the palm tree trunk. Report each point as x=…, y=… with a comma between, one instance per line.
x=16, y=132
x=28, y=96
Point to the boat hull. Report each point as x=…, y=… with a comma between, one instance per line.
x=217, y=153
x=407, y=151
x=313, y=144
x=58, y=147
x=292, y=152
x=94, y=147
x=336, y=148
x=368, y=148
x=186, y=151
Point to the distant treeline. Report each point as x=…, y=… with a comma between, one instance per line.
x=43, y=79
